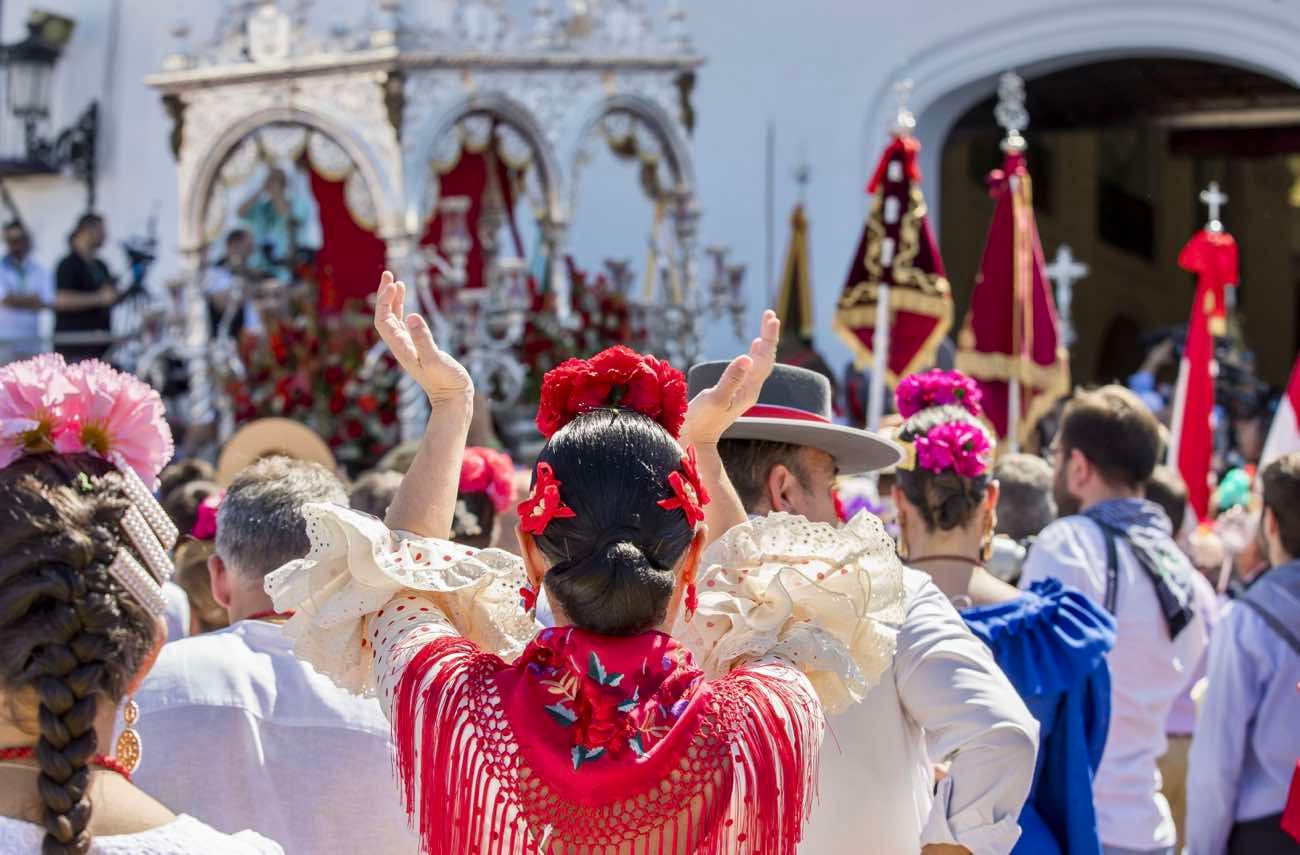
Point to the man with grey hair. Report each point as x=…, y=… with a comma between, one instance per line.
x=241, y=733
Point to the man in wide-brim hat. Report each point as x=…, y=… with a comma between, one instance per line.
x=785, y=453
x=942, y=701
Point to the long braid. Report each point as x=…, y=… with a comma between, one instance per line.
x=68, y=631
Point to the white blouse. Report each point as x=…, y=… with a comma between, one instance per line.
x=182, y=836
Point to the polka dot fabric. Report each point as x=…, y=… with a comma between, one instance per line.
x=356, y=566
x=827, y=600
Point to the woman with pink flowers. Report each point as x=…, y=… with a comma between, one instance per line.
x=1049, y=640
x=84, y=556
x=487, y=490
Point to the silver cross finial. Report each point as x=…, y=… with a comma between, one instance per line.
x=1065, y=270
x=1010, y=112
x=904, y=122
x=1214, y=199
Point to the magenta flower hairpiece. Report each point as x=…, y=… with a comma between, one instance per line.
x=964, y=448
x=938, y=388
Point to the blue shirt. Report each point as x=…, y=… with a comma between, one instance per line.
x=1051, y=642
x=1247, y=739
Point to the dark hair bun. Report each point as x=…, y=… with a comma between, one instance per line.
x=946, y=499
x=613, y=562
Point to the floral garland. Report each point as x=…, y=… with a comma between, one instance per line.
x=938, y=388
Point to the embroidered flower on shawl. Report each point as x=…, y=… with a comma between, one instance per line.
x=688, y=490
x=486, y=470
x=963, y=448
x=617, y=377
x=31, y=392
x=545, y=504
x=938, y=388
x=607, y=712
x=108, y=412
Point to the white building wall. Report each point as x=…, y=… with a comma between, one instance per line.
x=820, y=70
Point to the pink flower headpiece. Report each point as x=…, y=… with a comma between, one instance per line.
x=961, y=447
x=49, y=406
x=205, y=519
x=938, y=388
x=486, y=470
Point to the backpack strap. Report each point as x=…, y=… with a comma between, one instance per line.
x=1254, y=599
x=1112, y=567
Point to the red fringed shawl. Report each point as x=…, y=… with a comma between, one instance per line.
x=595, y=744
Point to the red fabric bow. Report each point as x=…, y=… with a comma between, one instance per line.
x=545, y=504
x=689, y=493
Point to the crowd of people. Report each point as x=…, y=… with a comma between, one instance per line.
x=675, y=643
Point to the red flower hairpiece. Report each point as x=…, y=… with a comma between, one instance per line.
x=486, y=470
x=617, y=377
x=689, y=493
x=545, y=504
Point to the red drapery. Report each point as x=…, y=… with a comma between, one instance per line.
x=469, y=177
x=351, y=258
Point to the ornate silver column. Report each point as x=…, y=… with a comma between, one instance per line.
x=405, y=260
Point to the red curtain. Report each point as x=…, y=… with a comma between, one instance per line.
x=469, y=177
x=351, y=258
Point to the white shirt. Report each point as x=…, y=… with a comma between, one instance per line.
x=184, y=835
x=242, y=734
x=1248, y=738
x=1148, y=671
x=221, y=282
x=943, y=699
x=20, y=329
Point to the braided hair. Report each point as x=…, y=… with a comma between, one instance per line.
x=70, y=634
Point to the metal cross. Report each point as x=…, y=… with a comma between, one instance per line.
x=1065, y=270
x=1214, y=199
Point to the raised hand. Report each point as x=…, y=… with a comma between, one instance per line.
x=714, y=410
x=440, y=376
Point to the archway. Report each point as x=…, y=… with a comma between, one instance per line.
x=1117, y=179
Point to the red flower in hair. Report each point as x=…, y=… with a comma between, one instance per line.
x=545, y=504
x=690, y=495
x=617, y=377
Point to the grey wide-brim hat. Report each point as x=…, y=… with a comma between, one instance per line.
x=794, y=406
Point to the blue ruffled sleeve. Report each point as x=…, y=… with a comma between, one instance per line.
x=1052, y=642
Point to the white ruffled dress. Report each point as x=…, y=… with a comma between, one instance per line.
x=815, y=607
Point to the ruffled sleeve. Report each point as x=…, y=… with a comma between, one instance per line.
x=356, y=565
x=826, y=600
x=1046, y=641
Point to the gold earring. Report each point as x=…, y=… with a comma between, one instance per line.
x=129, y=749
x=986, y=545
x=902, y=547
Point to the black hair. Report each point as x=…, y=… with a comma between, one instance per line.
x=614, y=561
x=1167, y=489
x=71, y=637
x=945, y=499
x=474, y=520
x=16, y=224
x=1115, y=431
x=84, y=222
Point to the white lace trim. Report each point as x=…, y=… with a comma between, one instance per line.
x=827, y=600
x=356, y=565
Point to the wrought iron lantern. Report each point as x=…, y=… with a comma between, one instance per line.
x=28, y=68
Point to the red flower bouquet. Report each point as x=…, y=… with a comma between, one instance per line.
x=617, y=377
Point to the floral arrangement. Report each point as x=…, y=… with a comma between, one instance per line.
x=958, y=446
x=486, y=470
x=937, y=388
x=47, y=405
x=307, y=367
x=601, y=319
x=617, y=377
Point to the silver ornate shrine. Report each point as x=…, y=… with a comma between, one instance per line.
x=383, y=106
